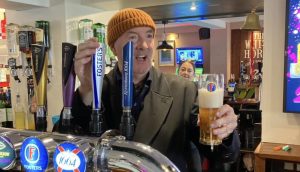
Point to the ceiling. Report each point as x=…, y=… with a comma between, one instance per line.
x=21, y=5
x=208, y=13
x=179, y=10
x=205, y=9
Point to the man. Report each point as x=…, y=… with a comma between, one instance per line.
x=164, y=106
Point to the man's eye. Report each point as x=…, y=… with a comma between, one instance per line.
x=133, y=38
x=150, y=35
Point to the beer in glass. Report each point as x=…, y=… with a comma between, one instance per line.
x=211, y=93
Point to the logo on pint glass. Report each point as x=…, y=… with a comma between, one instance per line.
x=32, y=153
x=211, y=87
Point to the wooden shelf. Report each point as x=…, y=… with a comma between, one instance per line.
x=265, y=151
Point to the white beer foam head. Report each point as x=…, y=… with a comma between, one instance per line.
x=209, y=99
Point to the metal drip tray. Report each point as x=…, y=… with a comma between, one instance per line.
x=30, y=150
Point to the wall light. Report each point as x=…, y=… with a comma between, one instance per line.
x=172, y=36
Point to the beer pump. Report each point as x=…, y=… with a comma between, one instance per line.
x=98, y=71
x=68, y=83
x=127, y=121
x=27, y=37
x=39, y=66
x=23, y=150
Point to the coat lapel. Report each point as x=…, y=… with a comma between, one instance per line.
x=157, y=104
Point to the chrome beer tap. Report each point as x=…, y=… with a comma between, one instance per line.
x=114, y=153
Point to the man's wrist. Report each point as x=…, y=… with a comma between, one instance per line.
x=227, y=141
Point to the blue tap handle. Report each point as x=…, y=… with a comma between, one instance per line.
x=127, y=121
x=127, y=78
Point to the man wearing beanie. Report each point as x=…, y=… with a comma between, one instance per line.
x=164, y=106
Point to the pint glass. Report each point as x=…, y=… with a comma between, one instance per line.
x=211, y=93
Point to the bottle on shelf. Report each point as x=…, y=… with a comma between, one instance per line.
x=19, y=114
x=3, y=115
x=12, y=41
x=231, y=87
x=7, y=97
x=42, y=28
x=31, y=114
x=85, y=29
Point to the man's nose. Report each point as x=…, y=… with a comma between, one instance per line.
x=141, y=44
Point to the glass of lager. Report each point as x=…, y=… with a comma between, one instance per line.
x=211, y=93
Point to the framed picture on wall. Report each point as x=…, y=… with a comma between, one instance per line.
x=166, y=57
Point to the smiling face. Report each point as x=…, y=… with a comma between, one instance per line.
x=143, y=41
x=186, y=70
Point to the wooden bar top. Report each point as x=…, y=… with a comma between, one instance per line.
x=265, y=150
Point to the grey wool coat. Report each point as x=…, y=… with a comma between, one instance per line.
x=167, y=120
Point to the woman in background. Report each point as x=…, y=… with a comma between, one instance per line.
x=187, y=69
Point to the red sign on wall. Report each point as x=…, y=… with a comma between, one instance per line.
x=2, y=25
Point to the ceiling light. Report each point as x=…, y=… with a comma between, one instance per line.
x=193, y=7
x=164, y=45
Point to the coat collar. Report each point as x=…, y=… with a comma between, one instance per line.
x=157, y=104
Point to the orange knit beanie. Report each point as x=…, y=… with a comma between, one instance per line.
x=124, y=20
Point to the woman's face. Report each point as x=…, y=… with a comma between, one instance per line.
x=186, y=70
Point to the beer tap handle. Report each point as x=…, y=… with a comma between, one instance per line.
x=127, y=121
x=68, y=83
x=39, y=66
x=98, y=71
